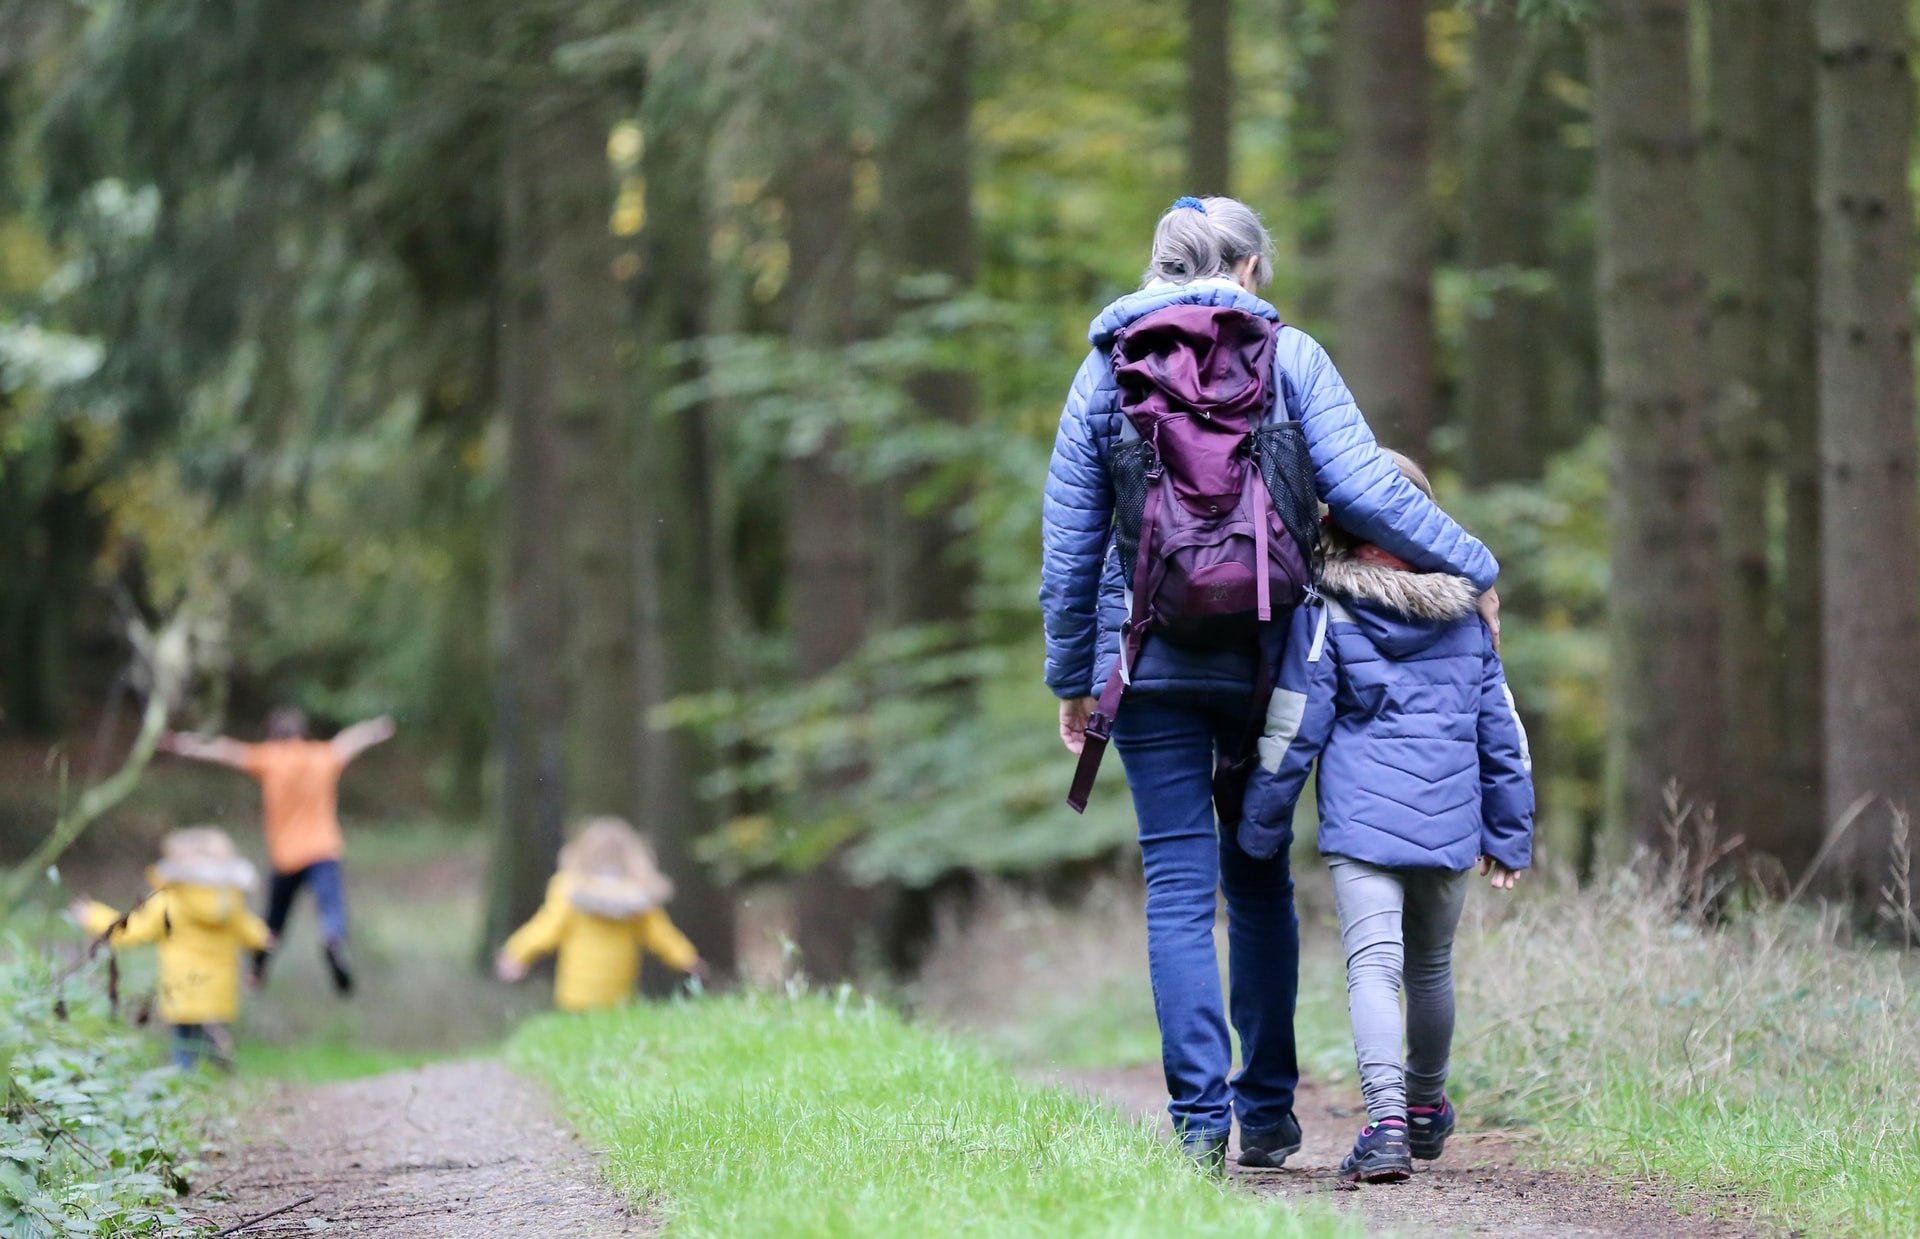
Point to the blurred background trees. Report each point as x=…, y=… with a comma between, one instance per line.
x=648, y=402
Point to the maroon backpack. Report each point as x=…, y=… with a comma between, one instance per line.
x=1215, y=518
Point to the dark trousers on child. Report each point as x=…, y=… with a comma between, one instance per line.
x=330, y=894
x=1168, y=742
x=194, y=1044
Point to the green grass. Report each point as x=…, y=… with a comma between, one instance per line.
x=1765, y=1058
x=761, y=1115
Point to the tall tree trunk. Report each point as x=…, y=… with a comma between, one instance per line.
x=1871, y=611
x=588, y=325
x=1665, y=670
x=1311, y=142
x=1734, y=187
x=1792, y=398
x=923, y=561
x=928, y=238
x=1507, y=388
x=1384, y=230
x=828, y=586
x=680, y=581
x=531, y=683
x=1209, y=97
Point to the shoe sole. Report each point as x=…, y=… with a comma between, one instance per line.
x=1385, y=1170
x=1267, y=1159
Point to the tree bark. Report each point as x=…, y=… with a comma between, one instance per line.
x=1734, y=188
x=828, y=585
x=1792, y=397
x=1311, y=142
x=588, y=325
x=680, y=579
x=1384, y=230
x=1871, y=600
x=1507, y=387
x=1665, y=668
x=531, y=684
x=1209, y=97
x=925, y=575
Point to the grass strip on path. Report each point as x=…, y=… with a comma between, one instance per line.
x=762, y=1115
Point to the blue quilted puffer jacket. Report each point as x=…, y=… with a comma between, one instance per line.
x=1395, y=688
x=1081, y=590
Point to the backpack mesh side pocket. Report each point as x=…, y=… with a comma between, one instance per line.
x=1130, y=463
x=1287, y=469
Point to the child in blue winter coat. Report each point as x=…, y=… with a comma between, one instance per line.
x=1394, y=686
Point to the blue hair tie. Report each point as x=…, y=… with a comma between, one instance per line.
x=1191, y=204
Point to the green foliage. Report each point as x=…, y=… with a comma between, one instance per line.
x=815, y=1116
x=93, y=1139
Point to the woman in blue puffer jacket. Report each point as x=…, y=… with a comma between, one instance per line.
x=1394, y=686
x=1186, y=705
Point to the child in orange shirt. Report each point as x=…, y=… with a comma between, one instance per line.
x=299, y=788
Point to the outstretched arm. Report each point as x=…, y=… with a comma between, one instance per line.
x=219, y=750
x=360, y=737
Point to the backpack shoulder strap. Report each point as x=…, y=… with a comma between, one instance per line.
x=1279, y=411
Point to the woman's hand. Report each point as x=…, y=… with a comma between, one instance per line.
x=1490, y=612
x=1074, y=713
x=1499, y=875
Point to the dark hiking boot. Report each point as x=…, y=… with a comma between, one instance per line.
x=1428, y=1128
x=338, y=969
x=1270, y=1149
x=1380, y=1155
x=1209, y=1153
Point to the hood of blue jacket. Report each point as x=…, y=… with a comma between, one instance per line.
x=1401, y=613
x=1137, y=305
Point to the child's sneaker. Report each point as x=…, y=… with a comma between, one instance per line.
x=1270, y=1149
x=1428, y=1128
x=1380, y=1155
x=337, y=966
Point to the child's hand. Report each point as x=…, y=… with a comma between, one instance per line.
x=1501, y=877
x=700, y=970
x=77, y=912
x=509, y=969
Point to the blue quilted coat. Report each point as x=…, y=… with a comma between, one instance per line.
x=1394, y=686
x=1082, y=591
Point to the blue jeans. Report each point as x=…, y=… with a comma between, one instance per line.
x=1167, y=743
x=329, y=892
x=194, y=1044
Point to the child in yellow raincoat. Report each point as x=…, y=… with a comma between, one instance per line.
x=198, y=916
x=604, y=908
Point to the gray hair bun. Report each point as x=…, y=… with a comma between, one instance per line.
x=1206, y=238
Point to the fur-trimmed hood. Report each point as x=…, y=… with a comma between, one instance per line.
x=616, y=899
x=225, y=873
x=1436, y=597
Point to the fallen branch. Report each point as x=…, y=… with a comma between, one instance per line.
x=164, y=660
x=94, y=803
x=237, y=1227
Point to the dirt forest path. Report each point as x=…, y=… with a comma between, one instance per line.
x=1481, y=1187
x=460, y=1150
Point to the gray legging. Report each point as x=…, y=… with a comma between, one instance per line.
x=1396, y=922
